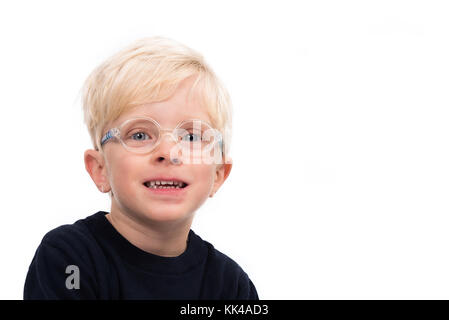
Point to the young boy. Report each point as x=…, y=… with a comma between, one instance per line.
x=159, y=120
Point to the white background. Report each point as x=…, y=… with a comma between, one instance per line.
x=340, y=182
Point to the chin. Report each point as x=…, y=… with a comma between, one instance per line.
x=161, y=215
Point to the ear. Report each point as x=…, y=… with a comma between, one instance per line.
x=221, y=174
x=95, y=166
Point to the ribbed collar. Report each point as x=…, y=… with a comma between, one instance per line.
x=104, y=231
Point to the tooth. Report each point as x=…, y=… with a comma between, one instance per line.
x=165, y=184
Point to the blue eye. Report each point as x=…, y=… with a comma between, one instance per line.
x=191, y=137
x=139, y=136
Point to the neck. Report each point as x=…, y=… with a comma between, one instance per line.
x=166, y=239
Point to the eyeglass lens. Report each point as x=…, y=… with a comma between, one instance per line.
x=141, y=133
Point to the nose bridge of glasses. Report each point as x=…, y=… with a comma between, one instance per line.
x=169, y=132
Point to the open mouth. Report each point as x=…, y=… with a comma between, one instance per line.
x=170, y=184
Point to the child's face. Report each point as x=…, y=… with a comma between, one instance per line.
x=125, y=172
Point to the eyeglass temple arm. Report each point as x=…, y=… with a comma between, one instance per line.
x=109, y=135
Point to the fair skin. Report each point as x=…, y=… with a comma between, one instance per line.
x=155, y=224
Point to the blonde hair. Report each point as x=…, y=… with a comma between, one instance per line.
x=149, y=70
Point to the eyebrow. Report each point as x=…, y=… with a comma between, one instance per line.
x=158, y=121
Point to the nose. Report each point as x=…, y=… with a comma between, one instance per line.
x=165, y=151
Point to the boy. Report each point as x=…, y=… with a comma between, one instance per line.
x=154, y=112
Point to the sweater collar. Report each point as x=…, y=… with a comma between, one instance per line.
x=194, y=254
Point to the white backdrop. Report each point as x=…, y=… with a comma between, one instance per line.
x=340, y=182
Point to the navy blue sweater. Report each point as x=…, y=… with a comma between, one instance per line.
x=107, y=266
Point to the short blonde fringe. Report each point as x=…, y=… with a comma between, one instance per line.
x=149, y=70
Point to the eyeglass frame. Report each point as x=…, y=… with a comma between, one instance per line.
x=115, y=133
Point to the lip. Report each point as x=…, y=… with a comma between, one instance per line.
x=167, y=192
x=165, y=179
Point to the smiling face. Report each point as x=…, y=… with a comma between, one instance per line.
x=126, y=173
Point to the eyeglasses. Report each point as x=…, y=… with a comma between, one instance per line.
x=144, y=134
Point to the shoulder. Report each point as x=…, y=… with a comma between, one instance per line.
x=73, y=239
x=226, y=262
x=67, y=235
x=220, y=261
x=61, y=249
x=234, y=280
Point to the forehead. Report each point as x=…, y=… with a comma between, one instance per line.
x=183, y=104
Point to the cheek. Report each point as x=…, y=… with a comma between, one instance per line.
x=205, y=174
x=123, y=172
